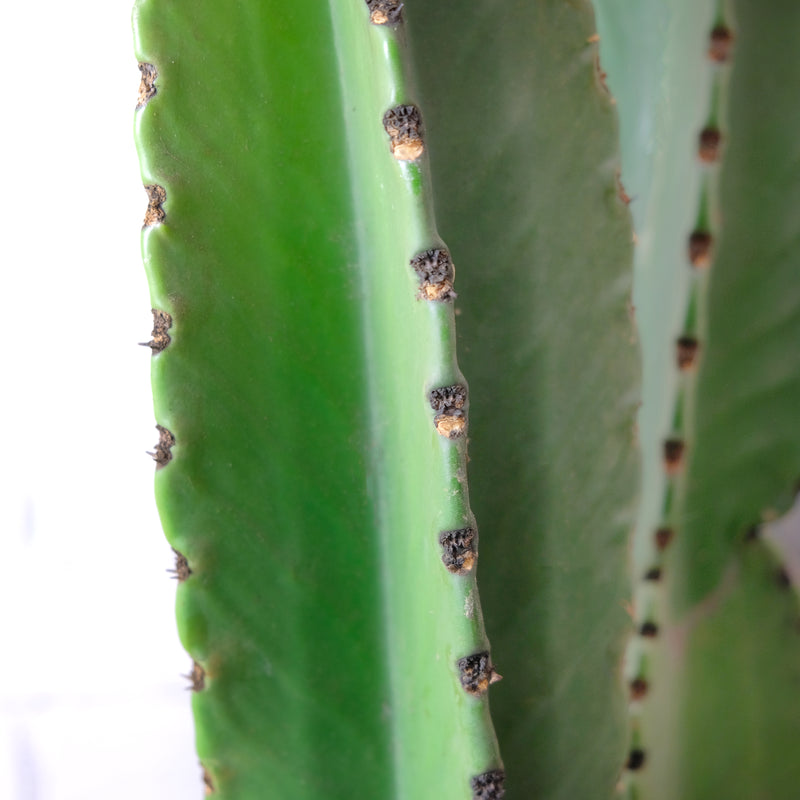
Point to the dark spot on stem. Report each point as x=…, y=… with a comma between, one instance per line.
x=489, y=785
x=162, y=322
x=163, y=451
x=653, y=574
x=720, y=43
x=709, y=144
x=385, y=12
x=458, y=550
x=182, y=570
x=700, y=249
x=196, y=678
x=436, y=274
x=686, y=353
x=156, y=196
x=477, y=673
x=663, y=538
x=782, y=578
x=404, y=126
x=649, y=630
x=674, y=451
x=639, y=688
x=636, y=759
x=147, y=86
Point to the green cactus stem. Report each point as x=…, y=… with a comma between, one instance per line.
x=708, y=155
x=312, y=455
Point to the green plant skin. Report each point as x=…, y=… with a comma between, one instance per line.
x=308, y=484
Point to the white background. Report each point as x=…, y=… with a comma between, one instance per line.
x=92, y=703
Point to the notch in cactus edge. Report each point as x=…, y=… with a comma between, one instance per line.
x=196, y=678
x=163, y=452
x=162, y=322
x=147, y=86
x=182, y=570
x=156, y=197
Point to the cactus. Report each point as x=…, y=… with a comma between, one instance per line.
x=313, y=421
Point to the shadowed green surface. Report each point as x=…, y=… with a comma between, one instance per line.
x=523, y=152
x=746, y=458
x=742, y=664
x=308, y=484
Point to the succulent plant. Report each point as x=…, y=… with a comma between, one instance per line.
x=313, y=422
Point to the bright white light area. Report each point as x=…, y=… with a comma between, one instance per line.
x=92, y=705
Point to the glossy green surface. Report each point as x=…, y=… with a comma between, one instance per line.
x=523, y=152
x=308, y=484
